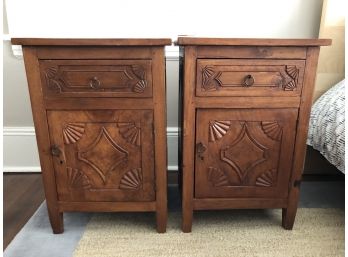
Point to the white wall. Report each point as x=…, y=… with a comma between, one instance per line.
x=153, y=18
x=137, y=18
x=17, y=112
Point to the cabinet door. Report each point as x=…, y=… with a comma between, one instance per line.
x=103, y=155
x=243, y=152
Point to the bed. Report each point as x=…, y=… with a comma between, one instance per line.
x=326, y=126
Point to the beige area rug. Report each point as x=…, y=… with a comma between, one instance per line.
x=317, y=232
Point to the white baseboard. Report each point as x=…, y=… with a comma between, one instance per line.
x=22, y=169
x=172, y=167
x=20, y=150
x=21, y=155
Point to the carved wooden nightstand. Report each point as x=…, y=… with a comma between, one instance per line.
x=100, y=122
x=244, y=119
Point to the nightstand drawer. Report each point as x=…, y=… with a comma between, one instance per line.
x=234, y=77
x=96, y=78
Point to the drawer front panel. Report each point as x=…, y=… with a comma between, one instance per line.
x=104, y=155
x=244, y=153
x=234, y=77
x=96, y=78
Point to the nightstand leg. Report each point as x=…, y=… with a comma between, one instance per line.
x=289, y=213
x=288, y=218
x=56, y=220
x=161, y=220
x=187, y=201
x=187, y=221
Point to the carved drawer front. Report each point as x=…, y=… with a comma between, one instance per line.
x=234, y=77
x=244, y=153
x=103, y=155
x=96, y=78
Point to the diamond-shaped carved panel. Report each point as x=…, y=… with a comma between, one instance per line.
x=103, y=155
x=244, y=153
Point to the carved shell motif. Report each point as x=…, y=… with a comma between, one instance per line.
x=207, y=73
x=293, y=72
x=130, y=132
x=131, y=180
x=217, y=177
x=72, y=132
x=140, y=86
x=265, y=180
x=139, y=72
x=217, y=129
x=272, y=129
x=54, y=83
x=210, y=78
x=77, y=179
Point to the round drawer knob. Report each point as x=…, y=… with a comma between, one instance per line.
x=248, y=80
x=94, y=83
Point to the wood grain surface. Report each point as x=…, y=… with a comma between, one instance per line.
x=92, y=42
x=23, y=194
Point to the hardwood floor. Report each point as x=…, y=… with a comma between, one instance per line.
x=23, y=194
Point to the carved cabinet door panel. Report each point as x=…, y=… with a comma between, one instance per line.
x=244, y=153
x=103, y=155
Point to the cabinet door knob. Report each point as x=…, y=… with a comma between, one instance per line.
x=201, y=148
x=55, y=151
x=94, y=83
x=248, y=80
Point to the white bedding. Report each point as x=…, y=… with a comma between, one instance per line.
x=326, y=126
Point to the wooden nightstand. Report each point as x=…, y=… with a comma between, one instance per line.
x=100, y=122
x=244, y=119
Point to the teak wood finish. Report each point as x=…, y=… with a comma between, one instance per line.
x=245, y=106
x=100, y=120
